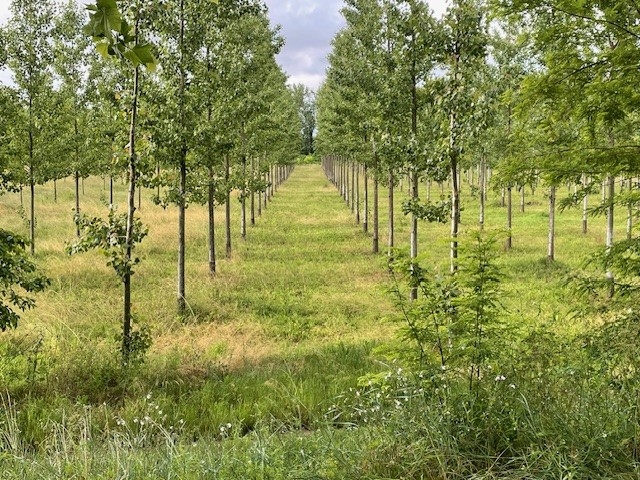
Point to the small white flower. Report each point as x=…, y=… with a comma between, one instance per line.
x=512, y=386
x=500, y=378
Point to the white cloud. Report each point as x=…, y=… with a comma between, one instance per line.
x=311, y=80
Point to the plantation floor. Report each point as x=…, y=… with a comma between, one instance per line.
x=287, y=324
x=301, y=278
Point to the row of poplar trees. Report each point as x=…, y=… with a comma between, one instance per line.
x=182, y=96
x=523, y=92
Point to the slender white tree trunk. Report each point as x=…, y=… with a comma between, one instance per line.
x=551, y=245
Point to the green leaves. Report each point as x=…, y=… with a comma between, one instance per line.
x=109, y=236
x=114, y=37
x=18, y=277
x=106, y=20
x=142, y=54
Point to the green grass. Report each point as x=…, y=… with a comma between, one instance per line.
x=270, y=345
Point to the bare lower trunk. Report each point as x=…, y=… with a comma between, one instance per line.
x=243, y=201
x=77, y=211
x=611, y=191
x=253, y=192
x=390, y=243
x=32, y=214
x=212, y=223
x=585, y=209
x=413, y=240
x=365, y=224
x=455, y=213
x=509, y=242
x=358, y=194
x=376, y=216
x=182, y=216
x=551, y=244
x=481, y=190
x=131, y=208
x=630, y=214
x=227, y=174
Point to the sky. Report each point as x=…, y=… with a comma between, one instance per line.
x=308, y=27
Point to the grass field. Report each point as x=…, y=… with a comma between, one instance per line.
x=245, y=385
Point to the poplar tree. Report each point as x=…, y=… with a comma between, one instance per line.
x=29, y=52
x=463, y=50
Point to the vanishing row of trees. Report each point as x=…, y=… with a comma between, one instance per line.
x=523, y=93
x=185, y=98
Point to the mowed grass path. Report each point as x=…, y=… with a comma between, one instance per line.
x=288, y=323
x=302, y=278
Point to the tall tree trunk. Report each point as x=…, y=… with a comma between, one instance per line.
x=55, y=191
x=253, y=193
x=212, y=222
x=32, y=212
x=509, y=242
x=131, y=208
x=585, y=208
x=227, y=175
x=357, y=193
x=365, y=224
x=390, y=243
x=611, y=192
x=413, y=240
x=182, y=206
x=243, y=200
x=455, y=212
x=110, y=190
x=630, y=214
x=353, y=186
x=481, y=189
x=376, y=210
x=77, y=187
x=182, y=221
x=260, y=192
x=551, y=244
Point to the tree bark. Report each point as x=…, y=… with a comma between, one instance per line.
x=630, y=214
x=131, y=208
x=77, y=212
x=243, y=200
x=509, y=242
x=585, y=209
x=611, y=192
x=413, y=293
x=253, y=193
x=182, y=207
x=376, y=198
x=551, y=244
x=390, y=243
x=357, y=193
x=212, y=222
x=365, y=224
x=227, y=175
x=481, y=190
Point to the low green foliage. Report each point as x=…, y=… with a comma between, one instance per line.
x=18, y=278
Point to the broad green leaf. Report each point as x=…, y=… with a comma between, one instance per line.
x=145, y=55
x=132, y=57
x=103, y=49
